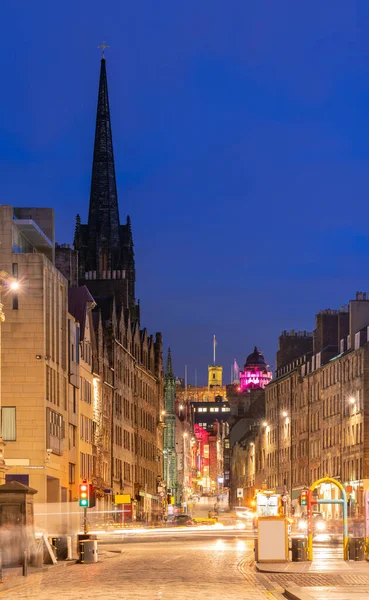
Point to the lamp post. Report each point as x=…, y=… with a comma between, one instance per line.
x=7, y=282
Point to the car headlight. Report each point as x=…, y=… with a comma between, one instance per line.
x=320, y=526
x=302, y=524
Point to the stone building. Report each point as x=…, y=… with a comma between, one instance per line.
x=184, y=451
x=316, y=419
x=247, y=413
x=34, y=355
x=128, y=361
x=82, y=382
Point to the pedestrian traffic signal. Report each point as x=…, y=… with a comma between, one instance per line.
x=304, y=498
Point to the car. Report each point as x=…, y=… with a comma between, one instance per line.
x=319, y=524
x=244, y=513
x=182, y=521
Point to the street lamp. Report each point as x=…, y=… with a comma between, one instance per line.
x=7, y=282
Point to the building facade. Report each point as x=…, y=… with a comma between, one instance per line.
x=34, y=355
x=316, y=413
x=82, y=382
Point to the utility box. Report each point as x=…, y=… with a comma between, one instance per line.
x=356, y=548
x=88, y=552
x=272, y=540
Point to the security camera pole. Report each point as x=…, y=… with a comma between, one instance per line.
x=7, y=283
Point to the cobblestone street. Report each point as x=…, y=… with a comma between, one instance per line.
x=179, y=570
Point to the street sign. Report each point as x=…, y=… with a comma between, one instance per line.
x=122, y=498
x=239, y=492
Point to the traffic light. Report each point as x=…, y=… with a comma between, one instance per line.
x=84, y=494
x=304, y=498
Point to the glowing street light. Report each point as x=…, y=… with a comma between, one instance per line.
x=352, y=400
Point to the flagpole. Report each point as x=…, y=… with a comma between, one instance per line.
x=214, y=349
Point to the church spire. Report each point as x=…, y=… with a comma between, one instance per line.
x=169, y=369
x=103, y=219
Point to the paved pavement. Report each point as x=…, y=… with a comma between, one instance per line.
x=181, y=570
x=329, y=593
x=328, y=566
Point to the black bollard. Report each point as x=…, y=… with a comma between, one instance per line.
x=25, y=564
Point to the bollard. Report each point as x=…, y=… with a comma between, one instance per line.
x=25, y=564
x=1, y=567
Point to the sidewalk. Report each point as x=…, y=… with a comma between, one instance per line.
x=356, y=592
x=329, y=566
x=13, y=577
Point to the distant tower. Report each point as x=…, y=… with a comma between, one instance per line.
x=215, y=372
x=215, y=376
x=170, y=455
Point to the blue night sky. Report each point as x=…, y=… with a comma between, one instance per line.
x=241, y=138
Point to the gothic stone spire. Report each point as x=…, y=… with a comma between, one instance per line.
x=169, y=369
x=103, y=253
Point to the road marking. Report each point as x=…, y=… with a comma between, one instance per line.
x=172, y=558
x=14, y=587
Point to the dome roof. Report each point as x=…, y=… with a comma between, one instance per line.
x=255, y=359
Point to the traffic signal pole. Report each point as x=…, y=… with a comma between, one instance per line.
x=85, y=521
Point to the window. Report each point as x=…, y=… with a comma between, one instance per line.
x=72, y=429
x=74, y=400
x=72, y=473
x=8, y=421
x=55, y=432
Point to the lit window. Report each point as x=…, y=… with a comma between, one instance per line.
x=8, y=421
